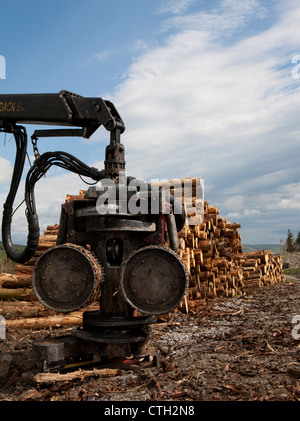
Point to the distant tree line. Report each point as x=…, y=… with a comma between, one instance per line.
x=292, y=243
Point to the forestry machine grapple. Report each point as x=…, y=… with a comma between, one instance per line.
x=110, y=243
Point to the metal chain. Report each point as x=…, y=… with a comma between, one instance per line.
x=35, y=147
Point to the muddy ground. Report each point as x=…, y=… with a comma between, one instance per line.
x=225, y=349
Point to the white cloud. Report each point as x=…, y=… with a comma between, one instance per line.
x=227, y=113
x=50, y=194
x=280, y=197
x=284, y=196
x=204, y=104
x=101, y=56
x=289, y=197
x=141, y=44
x=235, y=202
x=233, y=215
x=6, y=171
x=251, y=212
x=195, y=98
x=245, y=213
x=175, y=6
x=222, y=20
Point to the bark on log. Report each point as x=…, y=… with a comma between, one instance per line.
x=15, y=281
x=25, y=311
x=73, y=319
x=18, y=294
x=23, y=269
x=48, y=238
x=213, y=254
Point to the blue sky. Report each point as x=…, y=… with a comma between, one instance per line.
x=207, y=89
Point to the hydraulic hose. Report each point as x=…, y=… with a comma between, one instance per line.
x=38, y=169
x=20, y=136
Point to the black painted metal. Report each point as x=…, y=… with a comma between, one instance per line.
x=121, y=249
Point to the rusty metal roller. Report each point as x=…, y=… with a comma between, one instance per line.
x=66, y=278
x=154, y=280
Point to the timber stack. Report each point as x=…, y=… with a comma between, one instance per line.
x=213, y=252
x=210, y=246
x=260, y=268
x=18, y=285
x=18, y=303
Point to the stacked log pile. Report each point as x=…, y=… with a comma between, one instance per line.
x=18, y=285
x=213, y=252
x=210, y=246
x=207, y=250
x=260, y=268
x=19, y=305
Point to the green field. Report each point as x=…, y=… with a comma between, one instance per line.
x=252, y=247
x=18, y=247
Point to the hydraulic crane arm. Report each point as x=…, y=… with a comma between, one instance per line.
x=62, y=109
